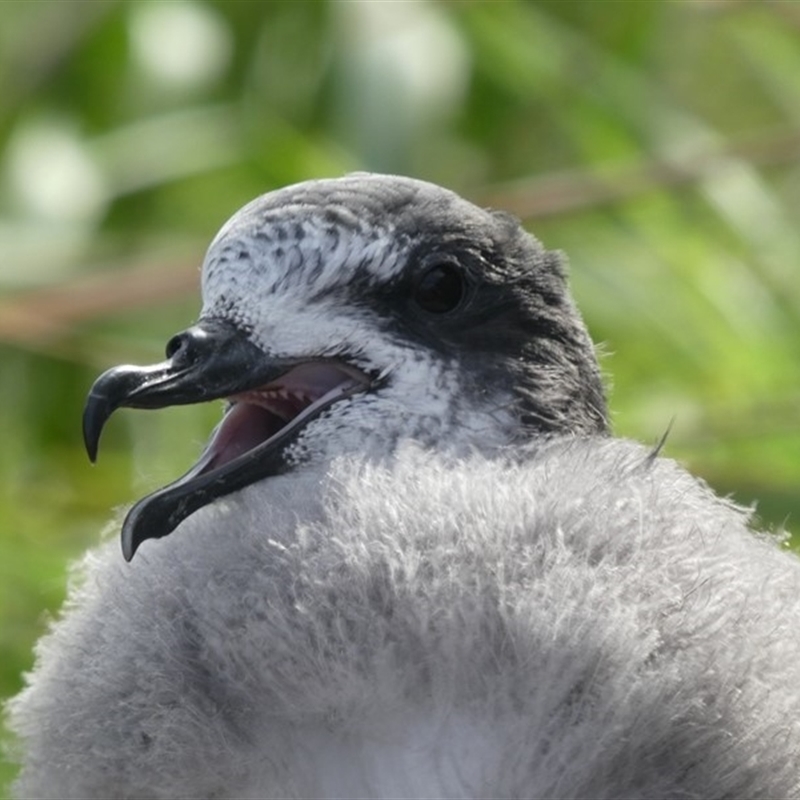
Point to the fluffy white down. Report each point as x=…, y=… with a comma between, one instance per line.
x=591, y=623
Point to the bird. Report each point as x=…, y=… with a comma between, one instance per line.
x=412, y=560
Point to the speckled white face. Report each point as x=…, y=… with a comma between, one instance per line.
x=284, y=282
x=286, y=276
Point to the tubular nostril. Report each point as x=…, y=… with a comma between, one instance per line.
x=186, y=347
x=176, y=343
x=201, y=342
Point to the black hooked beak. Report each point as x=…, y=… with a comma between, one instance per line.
x=272, y=400
x=206, y=362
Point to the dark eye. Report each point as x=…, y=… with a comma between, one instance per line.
x=439, y=289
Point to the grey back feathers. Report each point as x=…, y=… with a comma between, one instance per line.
x=542, y=611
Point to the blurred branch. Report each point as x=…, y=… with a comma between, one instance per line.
x=45, y=318
x=564, y=192
x=789, y=11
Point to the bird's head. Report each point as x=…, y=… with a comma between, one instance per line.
x=345, y=315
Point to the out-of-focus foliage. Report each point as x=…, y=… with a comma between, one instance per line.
x=656, y=142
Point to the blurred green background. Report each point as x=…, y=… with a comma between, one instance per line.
x=657, y=143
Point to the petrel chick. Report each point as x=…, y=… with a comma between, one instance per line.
x=411, y=561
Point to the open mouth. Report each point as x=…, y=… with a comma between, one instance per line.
x=274, y=412
x=271, y=402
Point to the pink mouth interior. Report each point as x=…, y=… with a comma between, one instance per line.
x=258, y=414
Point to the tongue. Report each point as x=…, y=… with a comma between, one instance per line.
x=244, y=427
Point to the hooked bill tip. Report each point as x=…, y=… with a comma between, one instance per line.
x=129, y=544
x=95, y=414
